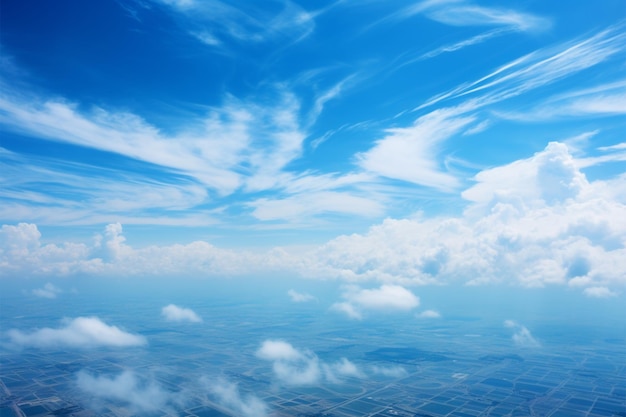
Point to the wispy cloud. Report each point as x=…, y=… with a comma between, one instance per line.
x=602, y=100
x=142, y=396
x=215, y=22
x=540, y=68
x=462, y=13
x=411, y=153
x=599, y=292
x=298, y=297
x=173, y=312
x=293, y=366
x=201, y=154
x=229, y=396
x=429, y=314
x=81, y=332
x=47, y=291
x=522, y=336
x=466, y=13
x=303, y=205
x=389, y=371
x=474, y=40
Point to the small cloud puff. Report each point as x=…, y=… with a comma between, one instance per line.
x=80, y=332
x=429, y=314
x=276, y=350
x=174, y=313
x=297, y=297
x=387, y=297
x=48, y=291
x=522, y=336
x=599, y=292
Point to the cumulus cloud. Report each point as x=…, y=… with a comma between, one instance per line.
x=21, y=251
x=48, y=291
x=521, y=336
x=536, y=221
x=386, y=298
x=229, y=396
x=294, y=367
x=297, y=297
x=276, y=350
x=81, y=332
x=429, y=314
x=172, y=312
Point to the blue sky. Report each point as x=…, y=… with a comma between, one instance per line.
x=391, y=141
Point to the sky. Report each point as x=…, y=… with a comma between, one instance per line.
x=381, y=143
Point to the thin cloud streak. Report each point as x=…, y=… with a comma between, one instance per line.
x=540, y=68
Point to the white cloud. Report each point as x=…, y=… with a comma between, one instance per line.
x=294, y=367
x=303, y=205
x=284, y=21
x=550, y=175
x=22, y=252
x=172, y=312
x=464, y=13
x=599, y=292
x=348, y=309
x=228, y=395
x=48, y=291
x=429, y=314
x=460, y=45
x=539, y=69
x=81, y=332
x=386, y=298
x=265, y=137
x=521, y=336
x=536, y=222
x=410, y=154
x=277, y=350
x=140, y=396
x=342, y=368
x=297, y=297
x=607, y=99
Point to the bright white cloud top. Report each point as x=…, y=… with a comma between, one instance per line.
x=81, y=332
x=173, y=312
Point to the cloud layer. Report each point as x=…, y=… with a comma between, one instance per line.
x=81, y=332
x=534, y=222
